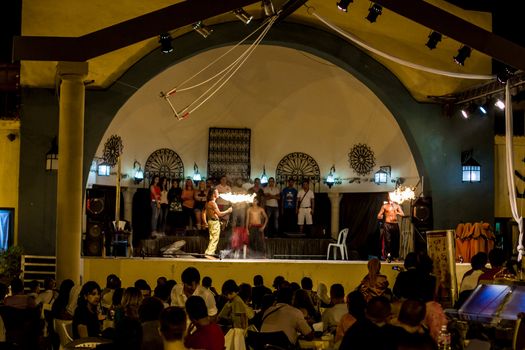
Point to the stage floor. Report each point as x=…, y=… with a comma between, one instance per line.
x=348, y=273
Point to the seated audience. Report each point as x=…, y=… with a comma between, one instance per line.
x=267, y=301
x=235, y=313
x=307, y=285
x=149, y=314
x=332, y=316
x=374, y=284
x=172, y=327
x=497, y=260
x=284, y=317
x=301, y=300
x=106, y=299
x=129, y=307
x=202, y=332
x=470, y=279
x=372, y=332
x=259, y=290
x=417, y=281
x=411, y=317
x=128, y=329
x=59, y=308
x=356, y=305
x=34, y=289
x=190, y=286
x=86, y=321
x=245, y=292
x=18, y=299
x=144, y=287
x=48, y=296
x=322, y=293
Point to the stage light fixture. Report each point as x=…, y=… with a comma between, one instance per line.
x=463, y=54
x=433, y=39
x=243, y=16
x=264, y=177
x=343, y=5
x=464, y=113
x=165, y=43
x=268, y=8
x=483, y=109
x=504, y=75
x=374, y=11
x=202, y=29
x=500, y=104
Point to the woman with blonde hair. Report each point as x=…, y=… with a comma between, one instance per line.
x=374, y=283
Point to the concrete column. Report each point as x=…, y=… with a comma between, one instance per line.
x=69, y=187
x=335, y=199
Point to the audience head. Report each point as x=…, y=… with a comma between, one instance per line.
x=49, y=283
x=196, y=308
x=301, y=299
x=132, y=297
x=479, y=261
x=267, y=301
x=144, y=287
x=190, y=278
x=113, y=282
x=284, y=295
x=378, y=309
x=89, y=294
x=356, y=303
x=34, y=286
x=150, y=309
x=162, y=291
x=245, y=292
x=412, y=312
x=306, y=283
x=425, y=263
x=17, y=286
x=172, y=324
x=258, y=280
x=337, y=293
x=496, y=257
x=295, y=286
x=230, y=289
x=410, y=260
x=277, y=282
x=161, y=280
x=206, y=282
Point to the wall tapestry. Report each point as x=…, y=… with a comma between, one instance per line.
x=229, y=153
x=164, y=162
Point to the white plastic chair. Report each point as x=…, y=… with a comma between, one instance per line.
x=341, y=244
x=64, y=329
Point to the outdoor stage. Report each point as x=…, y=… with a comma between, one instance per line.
x=348, y=273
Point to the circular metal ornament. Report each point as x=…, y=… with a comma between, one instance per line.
x=362, y=159
x=164, y=162
x=297, y=166
x=112, y=149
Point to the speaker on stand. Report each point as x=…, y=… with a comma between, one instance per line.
x=93, y=239
x=422, y=220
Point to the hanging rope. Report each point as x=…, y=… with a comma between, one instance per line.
x=392, y=58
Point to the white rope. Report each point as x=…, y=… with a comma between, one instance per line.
x=226, y=77
x=403, y=62
x=218, y=59
x=509, y=157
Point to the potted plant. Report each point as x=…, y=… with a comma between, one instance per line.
x=10, y=264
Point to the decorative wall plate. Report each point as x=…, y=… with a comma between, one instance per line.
x=362, y=159
x=112, y=149
x=298, y=166
x=164, y=162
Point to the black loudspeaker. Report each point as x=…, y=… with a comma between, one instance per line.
x=96, y=204
x=422, y=217
x=94, y=238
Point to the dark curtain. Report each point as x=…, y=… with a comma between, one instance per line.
x=322, y=216
x=358, y=213
x=141, y=215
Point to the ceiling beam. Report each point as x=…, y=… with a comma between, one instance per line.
x=456, y=28
x=83, y=48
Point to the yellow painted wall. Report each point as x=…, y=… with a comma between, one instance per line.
x=9, y=167
x=348, y=273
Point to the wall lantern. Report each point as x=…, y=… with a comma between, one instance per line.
x=104, y=169
x=381, y=176
x=471, y=169
x=52, y=156
x=196, y=175
x=138, y=173
x=331, y=179
x=264, y=177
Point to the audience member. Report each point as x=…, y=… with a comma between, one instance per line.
x=470, y=279
x=202, y=333
x=18, y=299
x=86, y=322
x=106, y=299
x=271, y=205
x=129, y=308
x=34, y=289
x=144, y=287
x=301, y=300
x=128, y=329
x=190, y=286
x=259, y=290
x=284, y=317
x=235, y=313
x=374, y=284
x=59, y=308
x=417, y=281
x=245, y=292
x=48, y=296
x=149, y=315
x=332, y=316
x=172, y=327
x=307, y=285
x=497, y=260
x=356, y=305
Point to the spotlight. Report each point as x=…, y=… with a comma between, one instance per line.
x=374, y=11
x=200, y=28
x=500, y=104
x=483, y=109
x=504, y=75
x=343, y=5
x=433, y=39
x=464, y=113
x=165, y=43
x=243, y=16
x=463, y=54
x=268, y=8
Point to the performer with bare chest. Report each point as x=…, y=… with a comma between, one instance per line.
x=390, y=230
x=214, y=227
x=257, y=220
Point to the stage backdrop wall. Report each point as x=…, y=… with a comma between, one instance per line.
x=435, y=141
